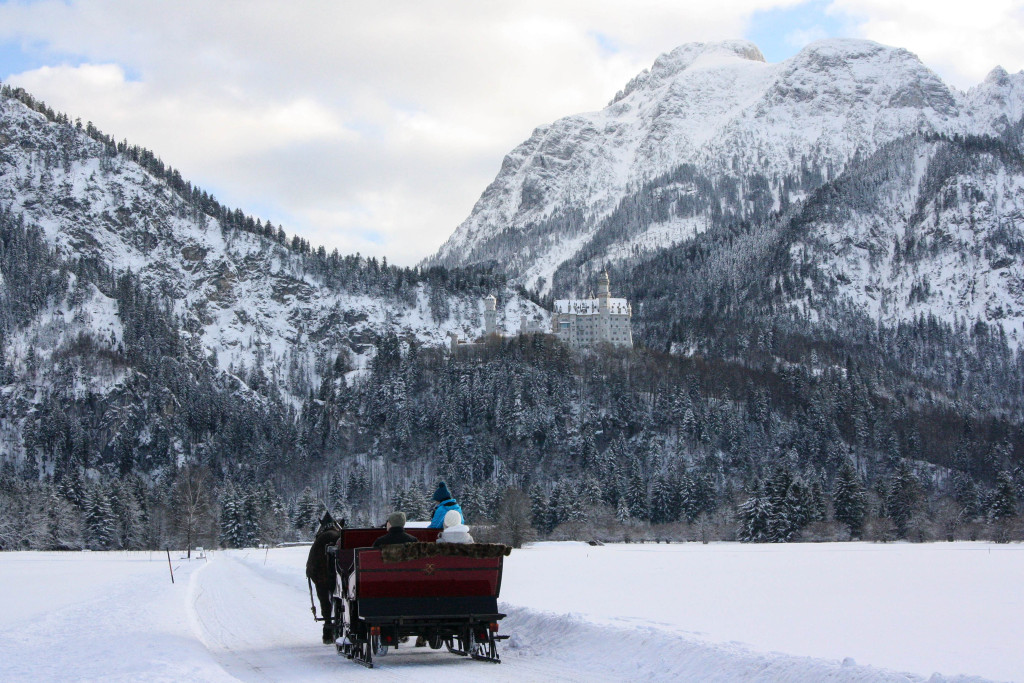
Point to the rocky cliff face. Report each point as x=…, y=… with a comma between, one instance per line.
x=711, y=133
x=927, y=227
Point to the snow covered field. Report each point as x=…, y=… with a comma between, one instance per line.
x=725, y=612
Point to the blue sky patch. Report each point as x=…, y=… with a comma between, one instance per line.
x=18, y=56
x=372, y=236
x=781, y=33
x=604, y=42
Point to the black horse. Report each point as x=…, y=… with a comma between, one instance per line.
x=320, y=571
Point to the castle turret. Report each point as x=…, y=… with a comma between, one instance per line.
x=490, y=315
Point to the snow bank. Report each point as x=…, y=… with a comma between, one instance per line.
x=952, y=608
x=99, y=617
x=648, y=652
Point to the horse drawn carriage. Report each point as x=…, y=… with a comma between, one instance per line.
x=442, y=594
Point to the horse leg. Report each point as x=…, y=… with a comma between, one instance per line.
x=323, y=593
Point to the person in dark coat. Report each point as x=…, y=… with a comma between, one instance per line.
x=396, y=532
x=445, y=503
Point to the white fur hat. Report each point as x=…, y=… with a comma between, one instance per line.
x=451, y=518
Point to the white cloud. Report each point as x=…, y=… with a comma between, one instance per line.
x=962, y=41
x=230, y=125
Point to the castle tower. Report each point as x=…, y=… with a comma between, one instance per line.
x=490, y=315
x=603, y=331
x=603, y=291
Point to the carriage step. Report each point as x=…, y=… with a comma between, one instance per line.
x=484, y=658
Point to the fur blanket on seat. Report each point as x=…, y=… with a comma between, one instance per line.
x=416, y=551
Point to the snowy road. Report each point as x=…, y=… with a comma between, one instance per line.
x=244, y=616
x=256, y=622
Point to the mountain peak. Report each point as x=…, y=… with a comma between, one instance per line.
x=846, y=53
x=848, y=47
x=685, y=55
x=997, y=76
x=689, y=55
x=704, y=117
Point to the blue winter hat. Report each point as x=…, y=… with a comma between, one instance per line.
x=442, y=493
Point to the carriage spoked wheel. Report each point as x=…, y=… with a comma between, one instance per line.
x=359, y=651
x=344, y=648
x=341, y=631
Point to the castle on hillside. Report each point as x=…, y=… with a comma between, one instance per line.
x=586, y=322
x=577, y=322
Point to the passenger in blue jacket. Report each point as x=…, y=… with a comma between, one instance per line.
x=445, y=502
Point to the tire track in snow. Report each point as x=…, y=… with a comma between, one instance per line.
x=249, y=624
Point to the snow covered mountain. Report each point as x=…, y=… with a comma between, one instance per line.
x=711, y=133
x=247, y=296
x=148, y=332
x=140, y=318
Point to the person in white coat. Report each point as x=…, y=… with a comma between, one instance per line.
x=454, y=530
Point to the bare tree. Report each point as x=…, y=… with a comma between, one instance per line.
x=191, y=502
x=513, y=518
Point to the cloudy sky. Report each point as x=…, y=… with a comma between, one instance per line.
x=374, y=126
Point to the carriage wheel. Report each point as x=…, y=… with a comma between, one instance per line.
x=360, y=651
x=339, y=618
x=347, y=648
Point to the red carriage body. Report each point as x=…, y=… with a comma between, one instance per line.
x=449, y=600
